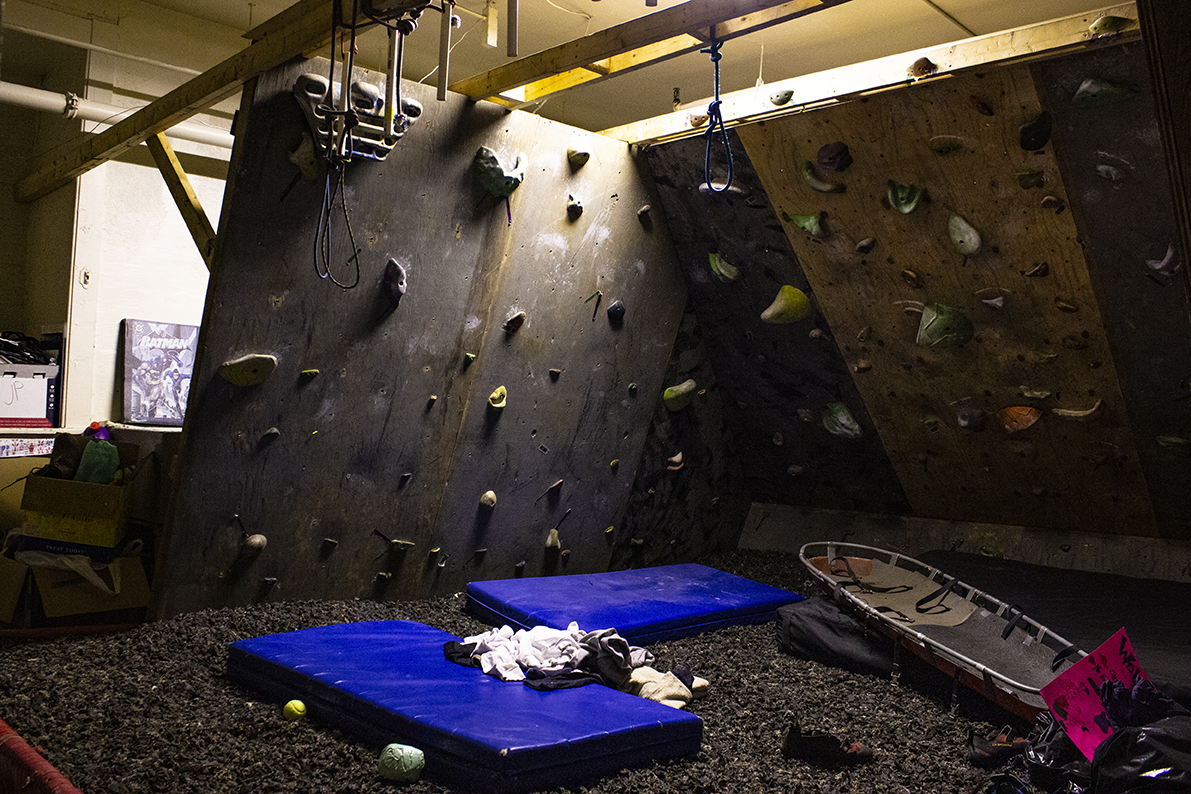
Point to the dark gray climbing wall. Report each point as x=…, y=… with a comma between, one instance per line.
x=371, y=485
x=774, y=381
x=1117, y=180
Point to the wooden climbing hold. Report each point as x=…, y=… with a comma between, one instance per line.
x=250, y=370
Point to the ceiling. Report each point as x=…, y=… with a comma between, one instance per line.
x=851, y=32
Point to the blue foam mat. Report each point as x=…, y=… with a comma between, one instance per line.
x=389, y=681
x=644, y=605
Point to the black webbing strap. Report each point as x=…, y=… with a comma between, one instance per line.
x=896, y=614
x=940, y=594
x=864, y=588
x=1013, y=608
x=1062, y=656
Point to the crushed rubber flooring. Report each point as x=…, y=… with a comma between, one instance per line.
x=152, y=710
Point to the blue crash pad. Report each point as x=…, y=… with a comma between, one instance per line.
x=389, y=681
x=644, y=605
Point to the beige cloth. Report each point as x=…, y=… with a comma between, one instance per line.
x=884, y=575
x=665, y=688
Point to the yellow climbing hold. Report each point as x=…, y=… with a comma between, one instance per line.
x=678, y=397
x=498, y=397
x=790, y=305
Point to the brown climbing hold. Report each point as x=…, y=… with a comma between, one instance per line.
x=1039, y=270
x=912, y=278
x=514, y=322
x=863, y=365
x=1053, y=203
x=250, y=370
x=697, y=119
x=1064, y=306
x=923, y=67
x=1018, y=417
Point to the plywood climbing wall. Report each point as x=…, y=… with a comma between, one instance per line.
x=1039, y=340
x=366, y=476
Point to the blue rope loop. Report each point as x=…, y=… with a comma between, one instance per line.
x=714, y=118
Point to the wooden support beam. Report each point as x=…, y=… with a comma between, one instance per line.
x=184, y=196
x=1045, y=39
x=663, y=34
x=301, y=33
x=1169, y=52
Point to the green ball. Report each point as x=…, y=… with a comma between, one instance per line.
x=401, y=763
x=294, y=710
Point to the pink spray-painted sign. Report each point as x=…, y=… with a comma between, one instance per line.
x=1074, y=695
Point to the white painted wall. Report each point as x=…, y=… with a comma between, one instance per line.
x=129, y=252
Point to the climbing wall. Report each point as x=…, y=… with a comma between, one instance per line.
x=363, y=457
x=1008, y=407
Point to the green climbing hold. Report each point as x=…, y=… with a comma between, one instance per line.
x=963, y=236
x=723, y=271
x=678, y=397
x=250, y=370
x=1097, y=93
x=577, y=158
x=904, y=198
x=813, y=224
x=552, y=541
x=838, y=420
x=1108, y=25
x=816, y=182
x=790, y=305
x=494, y=177
x=944, y=326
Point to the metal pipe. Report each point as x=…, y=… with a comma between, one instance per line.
x=444, y=49
x=72, y=106
x=85, y=45
x=391, y=77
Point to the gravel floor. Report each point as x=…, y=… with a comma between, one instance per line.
x=152, y=710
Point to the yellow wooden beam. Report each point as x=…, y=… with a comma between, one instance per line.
x=298, y=35
x=822, y=88
x=184, y=196
x=660, y=30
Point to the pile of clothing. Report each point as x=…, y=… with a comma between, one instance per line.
x=547, y=659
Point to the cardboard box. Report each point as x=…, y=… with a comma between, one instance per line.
x=71, y=517
x=38, y=597
x=27, y=394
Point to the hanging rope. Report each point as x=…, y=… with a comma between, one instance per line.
x=714, y=118
x=322, y=238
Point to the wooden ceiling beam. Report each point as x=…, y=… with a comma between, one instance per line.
x=834, y=85
x=655, y=37
x=302, y=30
x=184, y=195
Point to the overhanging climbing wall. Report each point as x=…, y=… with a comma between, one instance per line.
x=366, y=478
x=1039, y=345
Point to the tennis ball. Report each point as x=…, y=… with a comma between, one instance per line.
x=294, y=710
x=401, y=763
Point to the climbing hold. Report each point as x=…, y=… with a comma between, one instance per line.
x=980, y=106
x=944, y=326
x=963, y=236
x=674, y=462
x=923, y=67
x=1097, y=93
x=383, y=576
x=1039, y=270
x=303, y=157
x=1033, y=394
x=838, y=420
x=790, y=305
x=406, y=477
x=468, y=358
x=1018, y=417
x=330, y=543
x=514, y=322
x=1168, y=265
x=498, y=397
x=1110, y=172
x=1064, y=306
x=795, y=470
x=488, y=499
x=718, y=188
x=835, y=156
x=519, y=567
x=971, y=417
x=401, y=763
x=495, y=178
x=577, y=158
x=272, y=434
x=904, y=198
x=609, y=530
x=552, y=541
x=555, y=374
x=255, y=544
x=697, y=119
x=309, y=374
x=994, y=303
x=250, y=370
x=1108, y=25
x=565, y=556
x=945, y=144
x=912, y=278
x=616, y=314
x=678, y=397
x=431, y=400
x=813, y=224
x=862, y=365
x=393, y=282
x=866, y=245
x=1035, y=133
x=269, y=582
x=632, y=388
x=778, y=439
x=1053, y=203
x=818, y=183
x=615, y=464
x=781, y=97
x=643, y=213
x=574, y=208
x=720, y=267
x=1029, y=179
